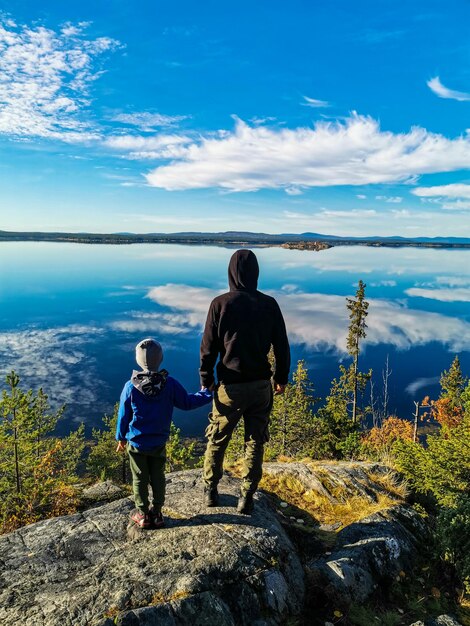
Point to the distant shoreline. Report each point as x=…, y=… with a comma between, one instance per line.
x=297, y=242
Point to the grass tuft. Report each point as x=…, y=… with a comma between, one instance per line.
x=322, y=509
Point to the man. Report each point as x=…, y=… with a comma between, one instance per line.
x=240, y=329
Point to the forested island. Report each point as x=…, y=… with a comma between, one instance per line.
x=302, y=241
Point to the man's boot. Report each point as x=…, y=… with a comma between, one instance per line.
x=246, y=504
x=211, y=496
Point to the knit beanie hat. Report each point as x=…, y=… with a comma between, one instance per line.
x=149, y=355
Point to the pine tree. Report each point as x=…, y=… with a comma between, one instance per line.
x=292, y=416
x=37, y=470
x=453, y=382
x=357, y=330
x=448, y=408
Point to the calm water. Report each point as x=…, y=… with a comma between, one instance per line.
x=70, y=315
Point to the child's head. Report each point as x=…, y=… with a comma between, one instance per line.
x=149, y=355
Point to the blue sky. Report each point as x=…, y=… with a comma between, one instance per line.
x=342, y=118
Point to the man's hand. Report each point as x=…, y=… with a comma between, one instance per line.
x=121, y=447
x=279, y=389
x=211, y=388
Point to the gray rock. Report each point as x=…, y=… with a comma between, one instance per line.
x=103, y=491
x=446, y=620
x=206, y=567
x=442, y=620
x=368, y=553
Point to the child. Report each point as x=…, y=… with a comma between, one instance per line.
x=144, y=418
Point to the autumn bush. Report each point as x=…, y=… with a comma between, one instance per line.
x=379, y=442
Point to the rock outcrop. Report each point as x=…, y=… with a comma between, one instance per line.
x=208, y=566
x=367, y=554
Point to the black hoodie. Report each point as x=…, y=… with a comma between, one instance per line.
x=240, y=328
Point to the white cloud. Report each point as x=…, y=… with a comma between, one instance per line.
x=161, y=323
x=320, y=321
x=293, y=191
x=353, y=152
x=138, y=147
x=384, y=283
x=455, y=294
x=391, y=199
x=455, y=190
x=364, y=213
x=148, y=122
x=314, y=103
x=453, y=281
x=421, y=383
x=361, y=196
x=458, y=205
x=440, y=90
x=458, y=192
x=44, y=81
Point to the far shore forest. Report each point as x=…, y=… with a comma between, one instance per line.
x=42, y=475
x=307, y=241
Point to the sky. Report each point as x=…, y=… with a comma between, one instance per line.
x=283, y=117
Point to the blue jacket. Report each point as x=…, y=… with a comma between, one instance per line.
x=146, y=408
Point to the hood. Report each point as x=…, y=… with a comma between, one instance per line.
x=151, y=384
x=243, y=271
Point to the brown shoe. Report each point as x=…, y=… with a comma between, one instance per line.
x=142, y=520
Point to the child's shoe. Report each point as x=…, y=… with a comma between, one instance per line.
x=157, y=518
x=143, y=520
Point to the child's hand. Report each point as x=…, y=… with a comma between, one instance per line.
x=121, y=447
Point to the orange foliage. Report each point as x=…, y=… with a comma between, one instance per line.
x=447, y=413
x=393, y=429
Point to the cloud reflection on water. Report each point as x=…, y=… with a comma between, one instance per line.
x=57, y=359
x=320, y=321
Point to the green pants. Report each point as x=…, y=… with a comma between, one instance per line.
x=253, y=401
x=148, y=468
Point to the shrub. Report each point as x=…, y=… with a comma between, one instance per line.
x=453, y=537
x=379, y=442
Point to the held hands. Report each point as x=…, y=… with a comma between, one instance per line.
x=211, y=388
x=121, y=447
x=279, y=389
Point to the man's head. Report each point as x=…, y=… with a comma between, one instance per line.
x=243, y=271
x=149, y=355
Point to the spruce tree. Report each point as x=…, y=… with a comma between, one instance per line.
x=448, y=408
x=357, y=330
x=292, y=416
x=37, y=469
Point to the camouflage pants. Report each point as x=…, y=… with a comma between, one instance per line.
x=253, y=401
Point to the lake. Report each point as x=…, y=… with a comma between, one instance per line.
x=71, y=314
